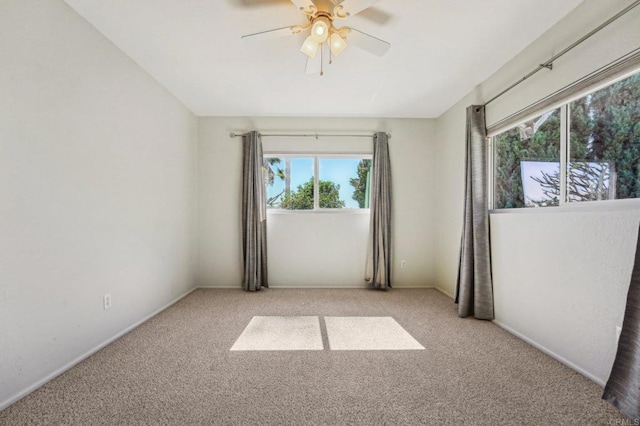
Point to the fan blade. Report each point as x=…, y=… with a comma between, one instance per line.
x=255, y=3
x=313, y=65
x=367, y=42
x=353, y=7
x=271, y=34
x=306, y=6
x=376, y=15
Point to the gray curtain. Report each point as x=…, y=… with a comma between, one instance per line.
x=254, y=215
x=623, y=387
x=378, y=266
x=474, y=291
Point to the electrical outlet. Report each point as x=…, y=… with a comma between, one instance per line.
x=403, y=264
x=107, y=301
x=618, y=331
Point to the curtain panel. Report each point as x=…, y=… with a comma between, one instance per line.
x=623, y=387
x=378, y=265
x=254, y=215
x=474, y=290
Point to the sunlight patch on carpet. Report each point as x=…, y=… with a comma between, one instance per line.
x=368, y=334
x=276, y=333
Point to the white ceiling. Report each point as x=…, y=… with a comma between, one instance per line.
x=440, y=50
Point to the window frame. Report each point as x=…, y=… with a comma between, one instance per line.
x=316, y=157
x=565, y=155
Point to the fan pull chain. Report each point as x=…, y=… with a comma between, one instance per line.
x=330, y=55
x=321, y=61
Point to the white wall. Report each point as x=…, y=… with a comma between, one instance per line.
x=301, y=246
x=560, y=275
x=97, y=192
x=561, y=280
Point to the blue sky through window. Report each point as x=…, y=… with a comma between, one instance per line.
x=339, y=171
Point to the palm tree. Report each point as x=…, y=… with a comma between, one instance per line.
x=270, y=174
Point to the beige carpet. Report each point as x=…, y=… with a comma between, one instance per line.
x=178, y=369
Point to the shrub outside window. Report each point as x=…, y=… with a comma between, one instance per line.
x=604, y=150
x=527, y=159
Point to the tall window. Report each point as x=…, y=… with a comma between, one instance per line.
x=601, y=139
x=317, y=182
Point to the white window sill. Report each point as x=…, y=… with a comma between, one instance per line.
x=632, y=204
x=319, y=211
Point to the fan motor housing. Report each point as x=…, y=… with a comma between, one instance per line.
x=325, y=6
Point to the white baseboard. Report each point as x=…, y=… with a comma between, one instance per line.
x=298, y=287
x=219, y=287
x=59, y=371
x=551, y=353
x=402, y=287
x=363, y=286
x=446, y=293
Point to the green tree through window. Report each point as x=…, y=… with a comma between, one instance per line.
x=302, y=198
x=361, y=184
x=534, y=140
x=605, y=139
x=604, y=151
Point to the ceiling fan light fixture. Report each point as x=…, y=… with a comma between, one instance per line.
x=337, y=44
x=320, y=29
x=320, y=16
x=310, y=47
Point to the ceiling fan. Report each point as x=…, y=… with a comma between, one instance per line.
x=321, y=15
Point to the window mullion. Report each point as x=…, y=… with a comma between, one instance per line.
x=490, y=172
x=564, y=152
x=316, y=184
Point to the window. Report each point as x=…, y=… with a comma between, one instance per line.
x=525, y=158
x=604, y=151
x=281, y=174
x=602, y=144
x=317, y=182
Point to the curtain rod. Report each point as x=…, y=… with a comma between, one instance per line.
x=549, y=63
x=306, y=135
